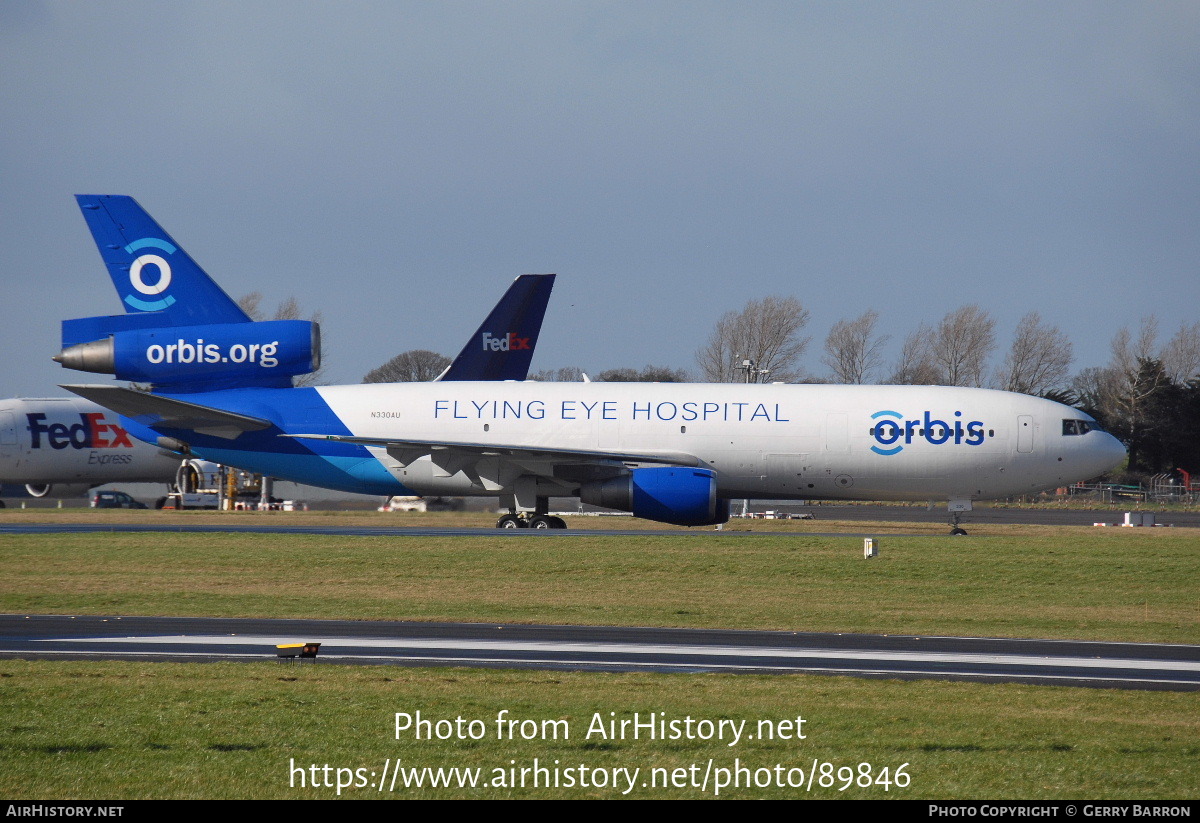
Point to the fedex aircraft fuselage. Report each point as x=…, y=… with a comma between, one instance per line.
x=762, y=441
x=71, y=444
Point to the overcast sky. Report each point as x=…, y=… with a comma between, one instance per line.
x=396, y=164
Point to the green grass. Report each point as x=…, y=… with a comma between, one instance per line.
x=115, y=730
x=1077, y=583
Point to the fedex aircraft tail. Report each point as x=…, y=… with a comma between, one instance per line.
x=150, y=271
x=503, y=345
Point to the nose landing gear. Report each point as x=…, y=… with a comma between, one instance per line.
x=957, y=508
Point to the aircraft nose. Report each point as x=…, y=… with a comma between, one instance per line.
x=1109, y=452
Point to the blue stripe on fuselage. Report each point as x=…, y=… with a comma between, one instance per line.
x=343, y=466
x=361, y=474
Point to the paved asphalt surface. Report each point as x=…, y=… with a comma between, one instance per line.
x=606, y=648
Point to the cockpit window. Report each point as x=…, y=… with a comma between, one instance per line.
x=1071, y=427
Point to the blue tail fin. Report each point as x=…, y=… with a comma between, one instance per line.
x=150, y=270
x=503, y=345
x=180, y=332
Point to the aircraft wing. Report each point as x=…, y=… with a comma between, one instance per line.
x=488, y=464
x=153, y=410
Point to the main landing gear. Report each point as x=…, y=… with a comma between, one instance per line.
x=537, y=521
x=527, y=509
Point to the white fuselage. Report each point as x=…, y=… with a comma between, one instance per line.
x=72, y=441
x=763, y=441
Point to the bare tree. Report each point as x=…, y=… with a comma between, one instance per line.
x=766, y=331
x=567, y=374
x=1039, y=359
x=414, y=366
x=289, y=309
x=915, y=366
x=1095, y=390
x=961, y=344
x=1181, y=356
x=251, y=305
x=1133, y=383
x=852, y=349
x=649, y=374
x=1127, y=351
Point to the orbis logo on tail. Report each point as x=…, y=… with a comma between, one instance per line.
x=507, y=342
x=892, y=430
x=150, y=266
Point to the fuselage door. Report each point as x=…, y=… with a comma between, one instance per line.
x=8, y=432
x=836, y=439
x=1025, y=434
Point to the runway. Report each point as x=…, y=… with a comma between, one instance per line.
x=606, y=648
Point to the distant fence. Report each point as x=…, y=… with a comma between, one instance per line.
x=1160, y=489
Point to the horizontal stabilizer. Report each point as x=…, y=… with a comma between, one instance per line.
x=155, y=411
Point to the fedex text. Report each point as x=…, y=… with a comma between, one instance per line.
x=91, y=432
x=508, y=342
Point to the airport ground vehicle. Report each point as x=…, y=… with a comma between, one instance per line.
x=115, y=500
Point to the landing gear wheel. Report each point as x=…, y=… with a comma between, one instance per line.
x=956, y=531
x=547, y=521
x=511, y=521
